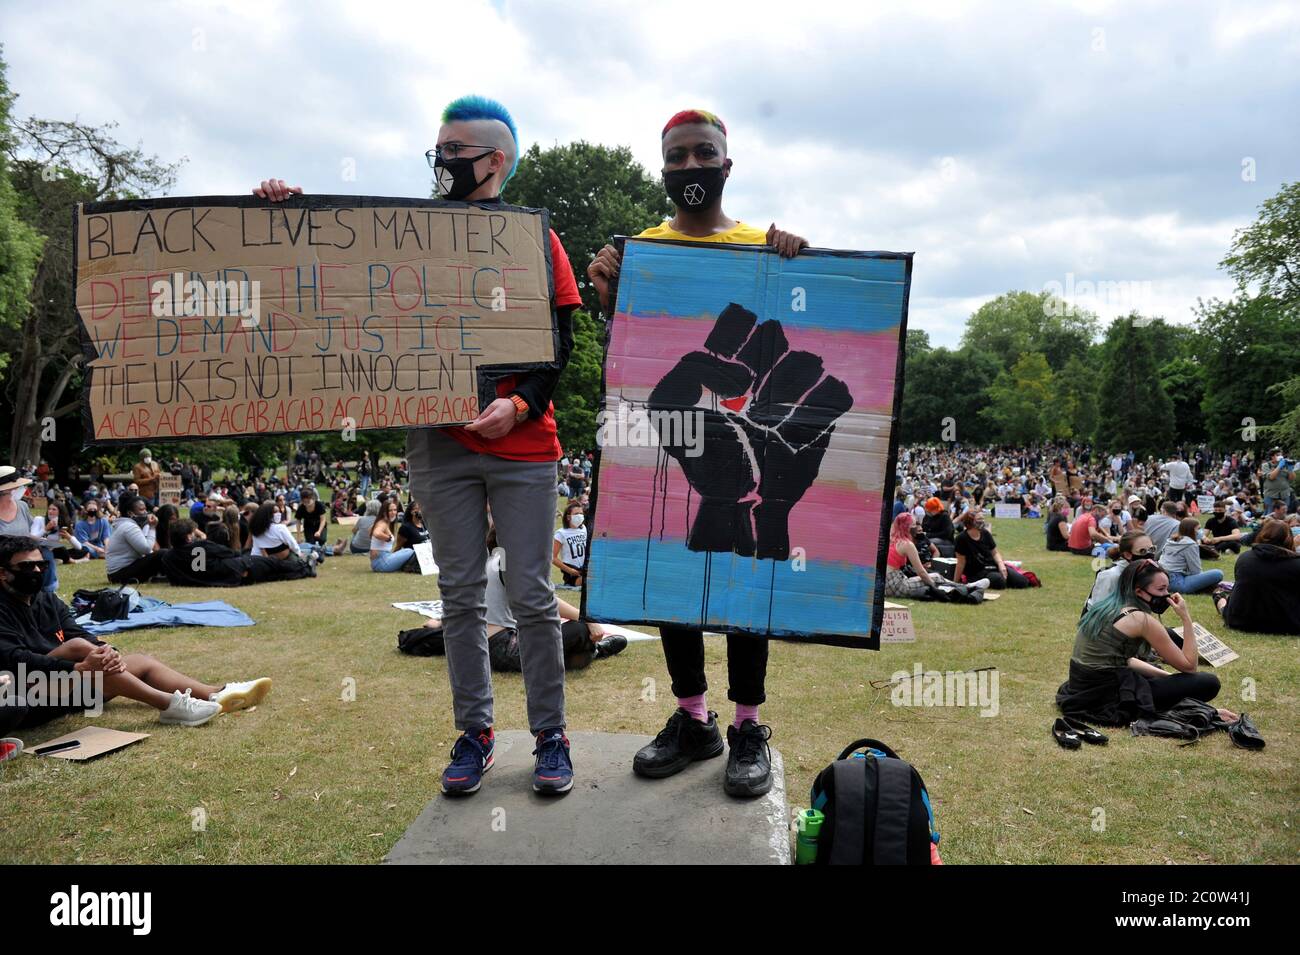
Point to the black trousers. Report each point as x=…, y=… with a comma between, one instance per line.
x=263, y=570
x=1168, y=690
x=139, y=571
x=1014, y=580
x=746, y=664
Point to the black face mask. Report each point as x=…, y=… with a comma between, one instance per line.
x=455, y=177
x=693, y=190
x=1158, y=603
x=27, y=582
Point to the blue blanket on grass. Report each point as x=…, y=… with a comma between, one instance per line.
x=156, y=613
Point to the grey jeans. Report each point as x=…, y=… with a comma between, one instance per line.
x=452, y=485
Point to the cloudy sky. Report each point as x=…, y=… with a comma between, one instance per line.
x=1010, y=146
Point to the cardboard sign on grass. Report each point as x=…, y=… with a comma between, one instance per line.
x=747, y=441
x=89, y=742
x=215, y=316
x=1006, y=510
x=896, y=626
x=1211, y=649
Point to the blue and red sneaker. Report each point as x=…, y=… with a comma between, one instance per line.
x=471, y=757
x=553, y=774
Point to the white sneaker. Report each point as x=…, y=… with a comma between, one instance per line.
x=983, y=583
x=185, y=710
x=237, y=696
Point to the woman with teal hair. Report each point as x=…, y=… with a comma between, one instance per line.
x=1110, y=682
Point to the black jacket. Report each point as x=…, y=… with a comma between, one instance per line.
x=939, y=525
x=1266, y=595
x=29, y=632
x=222, y=567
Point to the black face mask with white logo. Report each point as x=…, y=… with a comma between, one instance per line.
x=693, y=190
x=455, y=177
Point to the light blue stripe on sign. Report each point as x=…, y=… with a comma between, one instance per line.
x=824, y=597
x=839, y=292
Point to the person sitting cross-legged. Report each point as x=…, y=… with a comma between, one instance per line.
x=1110, y=682
x=1182, y=558
x=39, y=634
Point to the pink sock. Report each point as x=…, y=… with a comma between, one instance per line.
x=695, y=706
x=745, y=712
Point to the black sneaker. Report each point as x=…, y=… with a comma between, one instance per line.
x=749, y=763
x=614, y=643
x=682, y=741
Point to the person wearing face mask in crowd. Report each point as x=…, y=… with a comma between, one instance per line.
x=1109, y=681
x=39, y=633
x=1221, y=531
x=696, y=169
x=132, y=556
x=146, y=473
x=93, y=531
x=16, y=517
x=569, y=551
x=978, y=556
x=506, y=458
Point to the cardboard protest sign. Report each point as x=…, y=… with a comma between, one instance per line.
x=747, y=441
x=1006, y=510
x=897, y=624
x=219, y=316
x=1211, y=649
x=86, y=743
x=1205, y=503
x=169, y=488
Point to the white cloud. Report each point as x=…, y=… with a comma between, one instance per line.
x=994, y=140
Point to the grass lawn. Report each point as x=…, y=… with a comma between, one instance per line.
x=309, y=777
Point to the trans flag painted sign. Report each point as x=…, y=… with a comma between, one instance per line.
x=747, y=441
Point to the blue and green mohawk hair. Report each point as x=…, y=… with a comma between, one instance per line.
x=481, y=107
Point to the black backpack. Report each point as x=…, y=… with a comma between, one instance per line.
x=422, y=642
x=877, y=809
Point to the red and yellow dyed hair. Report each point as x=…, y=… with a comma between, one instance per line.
x=688, y=116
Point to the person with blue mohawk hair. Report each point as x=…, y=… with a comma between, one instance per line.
x=503, y=461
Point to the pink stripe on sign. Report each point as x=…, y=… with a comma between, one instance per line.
x=830, y=522
x=865, y=362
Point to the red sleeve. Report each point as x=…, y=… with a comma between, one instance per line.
x=566, y=289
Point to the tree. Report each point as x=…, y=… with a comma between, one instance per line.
x=1076, y=390
x=55, y=165
x=593, y=192
x=1268, y=251
x=1024, y=405
x=1184, y=382
x=1019, y=322
x=20, y=244
x=942, y=387
x=916, y=344
x=1136, y=413
x=1245, y=346
x=578, y=392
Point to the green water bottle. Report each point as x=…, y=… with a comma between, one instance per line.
x=810, y=826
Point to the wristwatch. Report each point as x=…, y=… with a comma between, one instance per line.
x=521, y=408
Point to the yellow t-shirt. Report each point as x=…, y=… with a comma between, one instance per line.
x=739, y=234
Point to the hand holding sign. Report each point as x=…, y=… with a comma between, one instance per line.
x=276, y=190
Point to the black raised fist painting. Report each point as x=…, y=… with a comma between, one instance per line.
x=746, y=441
